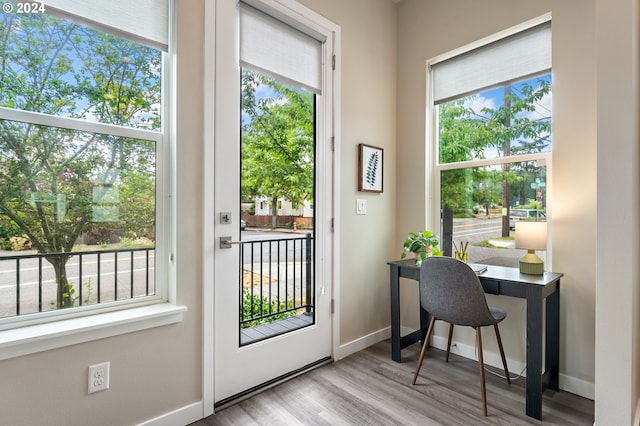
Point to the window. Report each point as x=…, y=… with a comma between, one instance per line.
x=492, y=146
x=82, y=160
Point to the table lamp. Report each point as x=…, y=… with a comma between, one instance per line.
x=531, y=236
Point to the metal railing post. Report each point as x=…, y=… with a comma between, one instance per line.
x=308, y=277
x=17, y=286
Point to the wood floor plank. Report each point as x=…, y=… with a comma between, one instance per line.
x=368, y=388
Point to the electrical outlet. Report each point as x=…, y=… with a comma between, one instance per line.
x=99, y=377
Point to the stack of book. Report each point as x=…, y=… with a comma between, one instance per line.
x=478, y=268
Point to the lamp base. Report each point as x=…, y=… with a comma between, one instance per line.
x=531, y=264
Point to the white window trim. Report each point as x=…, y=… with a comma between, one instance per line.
x=70, y=327
x=41, y=119
x=57, y=334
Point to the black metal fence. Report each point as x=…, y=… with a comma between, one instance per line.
x=276, y=279
x=31, y=283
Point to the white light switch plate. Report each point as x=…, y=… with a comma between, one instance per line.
x=361, y=206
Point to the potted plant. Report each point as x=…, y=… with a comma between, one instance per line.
x=422, y=245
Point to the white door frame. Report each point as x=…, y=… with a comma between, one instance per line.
x=209, y=243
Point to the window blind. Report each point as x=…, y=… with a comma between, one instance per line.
x=273, y=47
x=144, y=21
x=523, y=54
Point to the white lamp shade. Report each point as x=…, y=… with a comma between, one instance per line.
x=531, y=235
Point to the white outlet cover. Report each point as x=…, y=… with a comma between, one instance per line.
x=98, y=377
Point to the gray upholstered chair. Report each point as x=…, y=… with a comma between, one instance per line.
x=451, y=291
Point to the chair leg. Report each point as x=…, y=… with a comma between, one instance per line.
x=449, y=341
x=481, y=365
x=504, y=359
x=424, y=348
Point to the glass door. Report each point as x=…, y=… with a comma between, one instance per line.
x=272, y=258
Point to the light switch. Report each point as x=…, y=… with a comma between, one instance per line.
x=361, y=206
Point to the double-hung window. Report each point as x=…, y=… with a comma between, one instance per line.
x=84, y=154
x=490, y=124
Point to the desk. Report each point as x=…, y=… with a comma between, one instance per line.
x=540, y=292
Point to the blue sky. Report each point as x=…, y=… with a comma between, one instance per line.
x=494, y=99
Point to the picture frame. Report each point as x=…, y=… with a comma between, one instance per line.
x=370, y=168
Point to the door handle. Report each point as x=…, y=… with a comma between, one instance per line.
x=226, y=242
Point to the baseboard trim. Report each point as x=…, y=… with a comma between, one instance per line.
x=182, y=416
x=577, y=386
x=361, y=343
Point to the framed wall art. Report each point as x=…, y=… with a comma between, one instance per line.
x=370, y=168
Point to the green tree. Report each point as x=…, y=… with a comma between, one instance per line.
x=465, y=134
x=53, y=179
x=138, y=203
x=278, y=142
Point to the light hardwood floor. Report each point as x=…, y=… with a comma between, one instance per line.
x=368, y=388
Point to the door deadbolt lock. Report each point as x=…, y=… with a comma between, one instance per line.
x=225, y=217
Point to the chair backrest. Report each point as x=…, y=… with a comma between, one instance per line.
x=451, y=291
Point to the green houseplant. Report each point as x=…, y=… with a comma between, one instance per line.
x=422, y=244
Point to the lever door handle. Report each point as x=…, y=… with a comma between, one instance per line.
x=226, y=242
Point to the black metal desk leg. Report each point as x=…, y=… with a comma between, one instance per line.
x=394, y=282
x=534, y=353
x=552, y=339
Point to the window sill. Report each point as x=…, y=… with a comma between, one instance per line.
x=42, y=337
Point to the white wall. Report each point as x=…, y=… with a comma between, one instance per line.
x=618, y=292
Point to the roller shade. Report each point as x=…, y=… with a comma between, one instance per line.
x=523, y=54
x=271, y=46
x=144, y=21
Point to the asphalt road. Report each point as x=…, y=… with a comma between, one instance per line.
x=277, y=246
x=107, y=280
x=477, y=230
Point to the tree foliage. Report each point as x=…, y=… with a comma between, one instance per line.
x=54, y=180
x=278, y=143
x=466, y=134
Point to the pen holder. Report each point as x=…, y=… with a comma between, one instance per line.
x=460, y=255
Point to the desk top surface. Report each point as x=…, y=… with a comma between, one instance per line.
x=502, y=273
